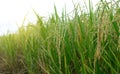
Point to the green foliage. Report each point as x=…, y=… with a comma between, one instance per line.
x=86, y=44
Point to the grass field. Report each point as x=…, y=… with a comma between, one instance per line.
x=86, y=43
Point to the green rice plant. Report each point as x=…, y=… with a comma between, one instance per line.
x=87, y=43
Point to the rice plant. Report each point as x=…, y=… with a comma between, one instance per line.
x=86, y=43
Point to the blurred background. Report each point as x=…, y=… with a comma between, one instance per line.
x=13, y=12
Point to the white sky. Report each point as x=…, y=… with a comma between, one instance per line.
x=12, y=12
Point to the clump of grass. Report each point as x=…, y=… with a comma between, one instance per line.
x=89, y=43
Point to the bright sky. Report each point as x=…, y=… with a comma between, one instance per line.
x=12, y=12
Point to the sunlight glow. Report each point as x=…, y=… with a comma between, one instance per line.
x=13, y=12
